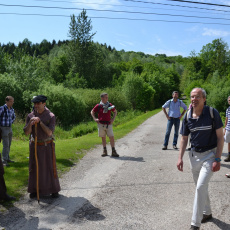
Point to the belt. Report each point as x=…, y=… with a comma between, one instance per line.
x=105, y=123
x=202, y=149
x=43, y=142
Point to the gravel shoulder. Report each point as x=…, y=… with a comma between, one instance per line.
x=140, y=190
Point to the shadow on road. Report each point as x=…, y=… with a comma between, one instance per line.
x=68, y=209
x=127, y=158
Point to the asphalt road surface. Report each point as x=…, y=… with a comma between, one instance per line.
x=141, y=190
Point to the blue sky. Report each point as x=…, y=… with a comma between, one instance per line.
x=154, y=33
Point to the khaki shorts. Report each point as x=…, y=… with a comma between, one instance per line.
x=103, y=130
x=227, y=136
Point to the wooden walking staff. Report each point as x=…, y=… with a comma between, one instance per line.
x=36, y=159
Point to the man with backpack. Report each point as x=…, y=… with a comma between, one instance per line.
x=7, y=117
x=206, y=128
x=104, y=122
x=173, y=117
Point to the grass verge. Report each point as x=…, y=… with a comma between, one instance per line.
x=68, y=152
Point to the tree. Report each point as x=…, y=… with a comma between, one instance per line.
x=215, y=56
x=83, y=53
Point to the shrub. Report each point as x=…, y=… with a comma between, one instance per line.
x=68, y=107
x=139, y=93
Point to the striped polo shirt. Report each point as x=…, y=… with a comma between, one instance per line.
x=228, y=116
x=201, y=129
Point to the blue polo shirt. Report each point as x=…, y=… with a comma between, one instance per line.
x=174, y=107
x=203, y=136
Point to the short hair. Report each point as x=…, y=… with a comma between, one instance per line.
x=202, y=90
x=103, y=94
x=175, y=92
x=8, y=98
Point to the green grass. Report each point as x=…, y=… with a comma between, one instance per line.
x=69, y=150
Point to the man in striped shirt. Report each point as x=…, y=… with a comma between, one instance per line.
x=207, y=142
x=7, y=117
x=227, y=131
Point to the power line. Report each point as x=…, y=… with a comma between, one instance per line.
x=117, y=11
x=131, y=19
x=203, y=3
x=166, y=4
x=121, y=5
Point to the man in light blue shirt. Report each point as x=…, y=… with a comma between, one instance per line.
x=173, y=117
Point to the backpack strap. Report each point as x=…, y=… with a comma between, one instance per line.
x=212, y=116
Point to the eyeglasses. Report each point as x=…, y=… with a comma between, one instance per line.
x=195, y=97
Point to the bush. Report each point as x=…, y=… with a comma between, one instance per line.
x=139, y=93
x=9, y=87
x=68, y=107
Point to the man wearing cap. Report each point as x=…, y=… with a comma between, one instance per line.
x=7, y=117
x=45, y=120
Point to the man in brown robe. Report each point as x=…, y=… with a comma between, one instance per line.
x=48, y=178
x=3, y=194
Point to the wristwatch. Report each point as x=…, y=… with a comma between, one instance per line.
x=217, y=159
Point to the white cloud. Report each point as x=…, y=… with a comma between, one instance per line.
x=125, y=43
x=97, y=4
x=212, y=32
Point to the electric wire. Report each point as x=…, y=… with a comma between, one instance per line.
x=166, y=4
x=117, y=11
x=130, y=19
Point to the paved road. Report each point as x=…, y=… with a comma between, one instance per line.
x=141, y=190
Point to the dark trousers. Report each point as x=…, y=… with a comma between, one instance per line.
x=2, y=181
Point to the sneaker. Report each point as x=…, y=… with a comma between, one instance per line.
x=5, y=163
x=114, y=153
x=194, y=227
x=55, y=195
x=10, y=161
x=227, y=159
x=206, y=218
x=104, y=154
x=33, y=195
x=174, y=146
x=164, y=148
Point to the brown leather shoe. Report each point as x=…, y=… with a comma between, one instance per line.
x=206, y=218
x=194, y=227
x=104, y=154
x=227, y=159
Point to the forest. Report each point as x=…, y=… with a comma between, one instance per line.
x=73, y=73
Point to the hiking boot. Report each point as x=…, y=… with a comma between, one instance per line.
x=227, y=159
x=104, y=154
x=33, y=195
x=206, y=218
x=114, y=153
x=55, y=195
x=164, y=147
x=194, y=227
